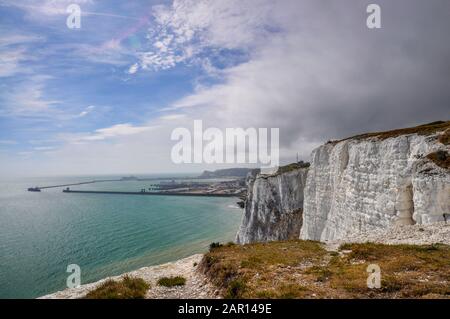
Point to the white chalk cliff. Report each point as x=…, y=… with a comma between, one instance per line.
x=273, y=209
x=358, y=184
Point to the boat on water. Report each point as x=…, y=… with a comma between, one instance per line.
x=34, y=189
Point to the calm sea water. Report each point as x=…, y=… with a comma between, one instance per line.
x=42, y=233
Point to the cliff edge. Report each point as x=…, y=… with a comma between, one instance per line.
x=273, y=207
x=366, y=182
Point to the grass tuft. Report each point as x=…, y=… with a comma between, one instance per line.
x=127, y=288
x=214, y=245
x=172, y=281
x=235, y=289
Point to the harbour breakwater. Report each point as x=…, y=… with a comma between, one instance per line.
x=151, y=193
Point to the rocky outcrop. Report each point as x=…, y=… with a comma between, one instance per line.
x=367, y=182
x=427, y=234
x=361, y=184
x=273, y=207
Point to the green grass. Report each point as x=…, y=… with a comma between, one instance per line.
x=172, y=281
x=127, y=288
x=235, y=289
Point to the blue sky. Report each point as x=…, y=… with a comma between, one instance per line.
x=57, y=82
x=104, y=98
x=72, y=81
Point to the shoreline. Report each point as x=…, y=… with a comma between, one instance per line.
x=196, y=286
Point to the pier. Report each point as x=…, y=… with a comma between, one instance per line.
x=38, y=188
x=152, y=193
x=166, y=187
x=123, y=179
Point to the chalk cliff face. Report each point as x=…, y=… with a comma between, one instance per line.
x=273, y=209
x=357, y=184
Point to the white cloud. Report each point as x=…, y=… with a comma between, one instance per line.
x=110, y=52
x=133, y=69
x=10, y=61
x=226, y=24
x=86, y=111
x=312, y=87
x=43, y=9
x=43, y=148
x=14, y=39
x=172, y=117
x=118, y=130
x=8, y=142
x=186, y=28
x=28, y=99
x=25, y=153
x=316, y=74
x=14, y=49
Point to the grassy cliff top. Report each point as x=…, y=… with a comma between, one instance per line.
x=304, y=269
x=426, y=129
x=292, y=167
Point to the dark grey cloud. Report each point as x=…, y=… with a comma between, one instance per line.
x=367, y=80
x=328, y=76
x=315, y=71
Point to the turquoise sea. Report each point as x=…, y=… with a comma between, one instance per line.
x=42, y=233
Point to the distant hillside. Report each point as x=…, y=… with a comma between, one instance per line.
x=228, y=172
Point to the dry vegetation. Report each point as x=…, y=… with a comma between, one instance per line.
x=127, y=288
x=426, y=129
x=440, y=158
x=444, y=138
x=172, y=281
x=304, y=269
x=292, y=167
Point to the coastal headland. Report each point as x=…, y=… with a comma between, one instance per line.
x=374, y=201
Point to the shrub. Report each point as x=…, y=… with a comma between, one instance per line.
x=214, y=245
x=172, y=281
x=127, y=288
x=235, y=289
